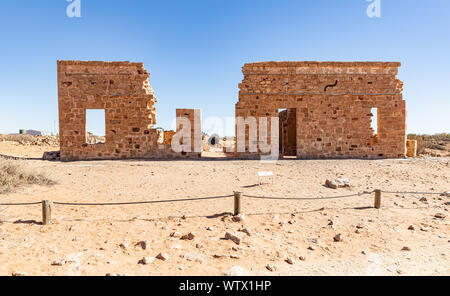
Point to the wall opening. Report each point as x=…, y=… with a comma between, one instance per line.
x=95, y=126
x=375, y=125
x=288, y=132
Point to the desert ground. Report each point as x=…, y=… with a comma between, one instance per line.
x=409, y=235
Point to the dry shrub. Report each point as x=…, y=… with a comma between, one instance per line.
x=435, y=142
x=13, y=175
x=21, y=139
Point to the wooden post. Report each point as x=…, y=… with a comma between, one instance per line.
x=237, y=203
x=46, y=212
x=378, y=199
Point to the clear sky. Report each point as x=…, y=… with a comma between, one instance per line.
x=195, y=49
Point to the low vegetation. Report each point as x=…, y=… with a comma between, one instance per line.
x=439, y=142
x=21, y=139
x=13, y=175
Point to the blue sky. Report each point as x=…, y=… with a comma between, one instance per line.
x=195, y=49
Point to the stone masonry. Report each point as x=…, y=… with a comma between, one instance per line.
x=122, y=89
x=332, y=102
x=194, y=117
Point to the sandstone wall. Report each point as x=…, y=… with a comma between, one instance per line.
x=333, y=102
x=411, y=148
x=194, y=117
x=122, y=89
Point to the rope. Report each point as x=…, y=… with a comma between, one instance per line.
x=308, y=198
x=22, y=204
x=139, y=202
x=395, y=192
x=214, y=197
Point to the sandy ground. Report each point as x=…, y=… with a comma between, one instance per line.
x=97, y=240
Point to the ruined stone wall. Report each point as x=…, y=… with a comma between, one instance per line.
x=333, y=102
x=194, y=117
x=411, y=148
x=122, y=89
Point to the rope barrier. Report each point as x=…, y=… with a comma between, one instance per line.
x=308, y=198
x=406, y=192
x=46, y=204
x=139, y=202
x=218, y=197
x=22, y=204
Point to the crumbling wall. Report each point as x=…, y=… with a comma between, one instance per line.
x=333, y=102
x=411, y=148
x=194, y=118
x=122, y=89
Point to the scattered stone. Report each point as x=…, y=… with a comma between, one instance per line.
x=238, y=218
x=312, y=248
x=440, y=216
x=189, y=236
x=233, y=237
x=234, y=257
x=19, y=273
x=58, y=263
x=199, y=246
x=209, y=228
x=411, y=227
x=424, y=200
x=301, y=258
x=338, y=237
x=193, y=257
x=357, y=231
x=247, y=231
x=175, y=234
x=51, y=155
x=124, y=245
x=163, y=256
x=237, y=271
x=271, y=268
x=146, y=260
x=219, y=256
x=142, y=244
x=407, y=249
x=290, y=260
x=424, y=229
x=446, y=194
x=313, y=240
x=337, y=183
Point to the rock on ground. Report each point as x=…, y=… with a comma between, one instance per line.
x=337, y=183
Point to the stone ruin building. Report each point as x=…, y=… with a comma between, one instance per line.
x=123, y=91
x=325, y=110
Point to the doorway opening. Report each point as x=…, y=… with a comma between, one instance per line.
x=288, y=132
